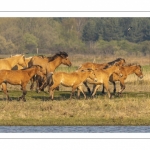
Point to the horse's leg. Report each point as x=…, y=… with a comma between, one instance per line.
x=85, y=83
x=74, y=87
x=42, y=83
x=122, y=84
x=103, y=89
x=4, y=88
x=80, y=88
x=95, y=88
x=51, y=90
x=114, y=84
x=24, y=92
x=32, y=80
x=107, y=89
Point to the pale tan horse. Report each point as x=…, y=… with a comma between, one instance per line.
x=9, y=63
x=18, y=77
x=103, y=78
x=125, y=71
x=74, y=80
x=49, y=65
x=18, y=67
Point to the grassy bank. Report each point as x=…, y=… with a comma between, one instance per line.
x=131, y=109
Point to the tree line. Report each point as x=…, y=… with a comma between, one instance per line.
x=101, y=35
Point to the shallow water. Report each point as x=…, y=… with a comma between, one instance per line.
x=74, y=129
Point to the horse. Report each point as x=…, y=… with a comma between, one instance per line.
x=18, y=67
x=125, y=70
x=73, y=79
x=18, y=77
x=103, y=78
x=120, y=62
x=9, y=63
x=49, y=64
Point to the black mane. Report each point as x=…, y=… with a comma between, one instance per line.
x=116, y=60
x=60, y=54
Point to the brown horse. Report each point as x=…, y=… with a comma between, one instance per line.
x=86, y=65
x=9, y=63
x=18, y=77
x=120, y=62
x=49, y=64
x=103, y=78
x=74, y=80
x=125, y=70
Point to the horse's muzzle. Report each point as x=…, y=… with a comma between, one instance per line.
x=120, y=74
x=141, y=76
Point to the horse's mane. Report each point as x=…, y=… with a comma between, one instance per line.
x=132, y=64
x=60, y=54
x=116, y=60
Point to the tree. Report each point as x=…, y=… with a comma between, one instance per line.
x=30, y=42
x=90, y=33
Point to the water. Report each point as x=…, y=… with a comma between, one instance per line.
x=74, y=129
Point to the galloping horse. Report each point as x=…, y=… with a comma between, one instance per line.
x=103, y=78
x=18, y=77
x=125, y=70
x=49, y=65
x=9, y=63
x=120, y=62
x=74, y=80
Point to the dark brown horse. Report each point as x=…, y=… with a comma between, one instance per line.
x=49, y=64
x=18, y=77
x=125, y=70
x=74, y=80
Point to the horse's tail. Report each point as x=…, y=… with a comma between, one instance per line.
x=50, y=79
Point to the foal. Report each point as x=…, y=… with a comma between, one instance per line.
x=74, y=80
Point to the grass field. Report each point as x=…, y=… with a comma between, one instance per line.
x=133, y=108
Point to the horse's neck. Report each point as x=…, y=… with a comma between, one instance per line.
x=110, y=70
x=31, y=72
x=129, y=69
x=84, y=75
x=52, y=65
x=13, y=61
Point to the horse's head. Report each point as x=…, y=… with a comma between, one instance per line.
x=92, y=74
x=120, y=61
x=117, y=69
x=22, y=61
x=65, y=59
x=138, y=71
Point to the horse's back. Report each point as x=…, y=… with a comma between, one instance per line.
x=4, y=64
